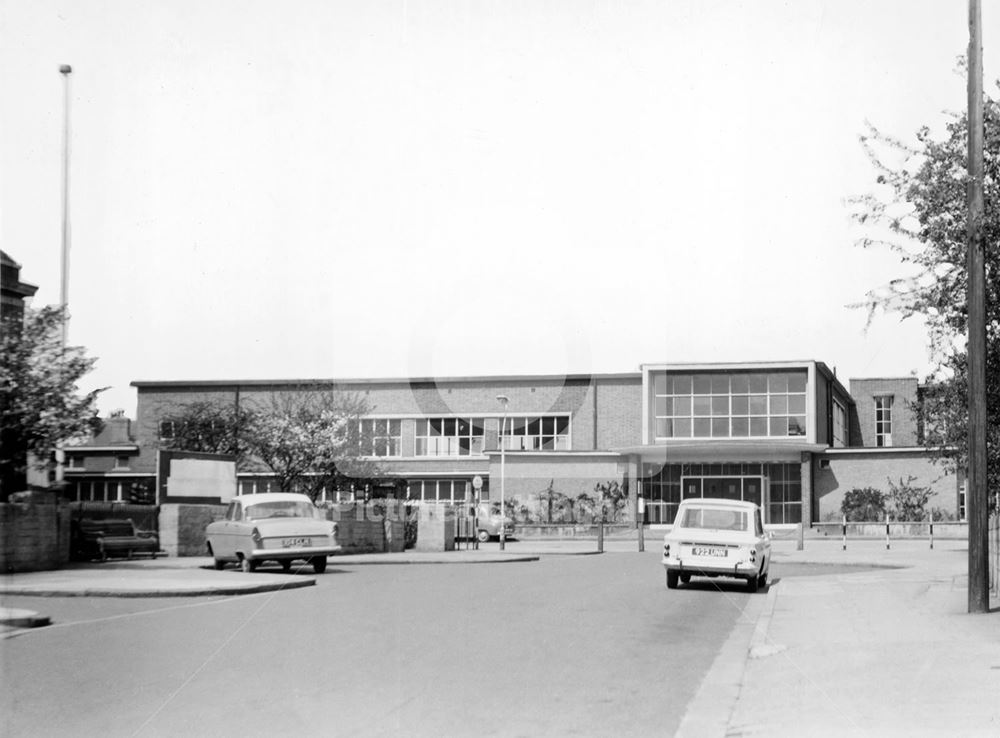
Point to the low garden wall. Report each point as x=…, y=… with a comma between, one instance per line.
x=34, y=536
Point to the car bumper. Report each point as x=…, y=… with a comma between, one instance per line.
x=281, y=554
x=698, y=565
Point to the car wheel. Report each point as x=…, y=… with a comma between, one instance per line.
x=685, y=578
x=247, y=565
x=672, y=578
x=319, y=564
x=753, y=582
x=286, y=565
x=219, y=564
x=483, y=536
x=762, y=579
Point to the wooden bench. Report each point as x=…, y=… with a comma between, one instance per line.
x=109, y=537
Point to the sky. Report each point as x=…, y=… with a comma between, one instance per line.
x=392, y=189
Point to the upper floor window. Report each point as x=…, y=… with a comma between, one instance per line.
x=121, y=462
x=550, y=433
x=883, y=420
x=450, y=437
x=839, y=424
x=74, y=461
x=380, y=437
x=729, y=405
x=166, y=430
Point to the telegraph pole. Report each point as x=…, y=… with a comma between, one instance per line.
x=977, y=503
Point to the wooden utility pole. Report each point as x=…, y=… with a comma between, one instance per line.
x=977, y=501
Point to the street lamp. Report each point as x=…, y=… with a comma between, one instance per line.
x=503, y=400
x=65, y=70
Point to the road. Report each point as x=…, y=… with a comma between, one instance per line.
x=569, y=645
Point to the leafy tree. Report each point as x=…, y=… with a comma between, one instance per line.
x=863, y=505
x=310, y=439
x=40, y=403
x=919, y=212
x=207, y=427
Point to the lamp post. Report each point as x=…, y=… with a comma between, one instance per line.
x=65, y=70
x=503, y=400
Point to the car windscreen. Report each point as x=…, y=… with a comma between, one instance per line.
x=714, y=519
x=281, y=509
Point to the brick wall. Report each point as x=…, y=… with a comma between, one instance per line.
x=904, y=420
x=33, y=537
x=859, y=470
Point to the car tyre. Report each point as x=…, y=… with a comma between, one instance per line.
x=319, y=564
x=762, y=579
x=483, y=536
x=219, y=564
x=672, y=577
x=286, y=565
x=247, y=565
x=753, y=583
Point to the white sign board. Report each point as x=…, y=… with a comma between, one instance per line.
x=202, y=478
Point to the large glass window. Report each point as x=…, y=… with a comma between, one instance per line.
x=380, y=437
x=441, y=490
x=450, y=437
x=748, y=405
x=883, y=420
x=839, y=424
x=549, y=433
x=663, y=488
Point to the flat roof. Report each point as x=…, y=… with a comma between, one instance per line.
x=470, y=379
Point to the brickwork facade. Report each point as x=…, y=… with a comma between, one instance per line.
x=903, y=394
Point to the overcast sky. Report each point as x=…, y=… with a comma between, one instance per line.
x=318, y=189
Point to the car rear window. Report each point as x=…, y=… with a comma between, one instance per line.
x=714, y=519
x=283, y=509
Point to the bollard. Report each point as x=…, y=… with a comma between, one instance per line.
x=844, y=534
x=642, y=538
x=800, y=543
x=600, y=536
x=932, y=528
x=887, y=531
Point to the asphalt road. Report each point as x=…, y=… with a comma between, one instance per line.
x=574, y=645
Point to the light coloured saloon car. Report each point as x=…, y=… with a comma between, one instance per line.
x=717, y=538
x=281, y=527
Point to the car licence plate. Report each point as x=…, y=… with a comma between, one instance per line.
x=708, y=551
x=294, y=542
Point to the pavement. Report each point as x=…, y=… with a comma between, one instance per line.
x=890, y=650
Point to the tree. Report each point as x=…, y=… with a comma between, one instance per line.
x=920, y=214
x=207, y=427
x=311, y=439
x=40, y=403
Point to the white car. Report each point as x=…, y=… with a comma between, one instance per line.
x=717, y=538
x=273, y=526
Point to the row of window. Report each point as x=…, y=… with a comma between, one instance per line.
x=729, y=405
x=452, y=436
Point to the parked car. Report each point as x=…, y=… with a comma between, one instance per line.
x=488, y=523
x=281, y=527
x=717, y=538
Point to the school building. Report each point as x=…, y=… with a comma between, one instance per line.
x=787, y=435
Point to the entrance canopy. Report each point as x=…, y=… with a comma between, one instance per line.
x=702, y=451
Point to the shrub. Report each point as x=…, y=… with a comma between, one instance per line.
x=907, y=501
x=863, y=505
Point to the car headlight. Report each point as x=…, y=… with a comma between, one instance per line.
x=666, y=549
x=257, y=540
